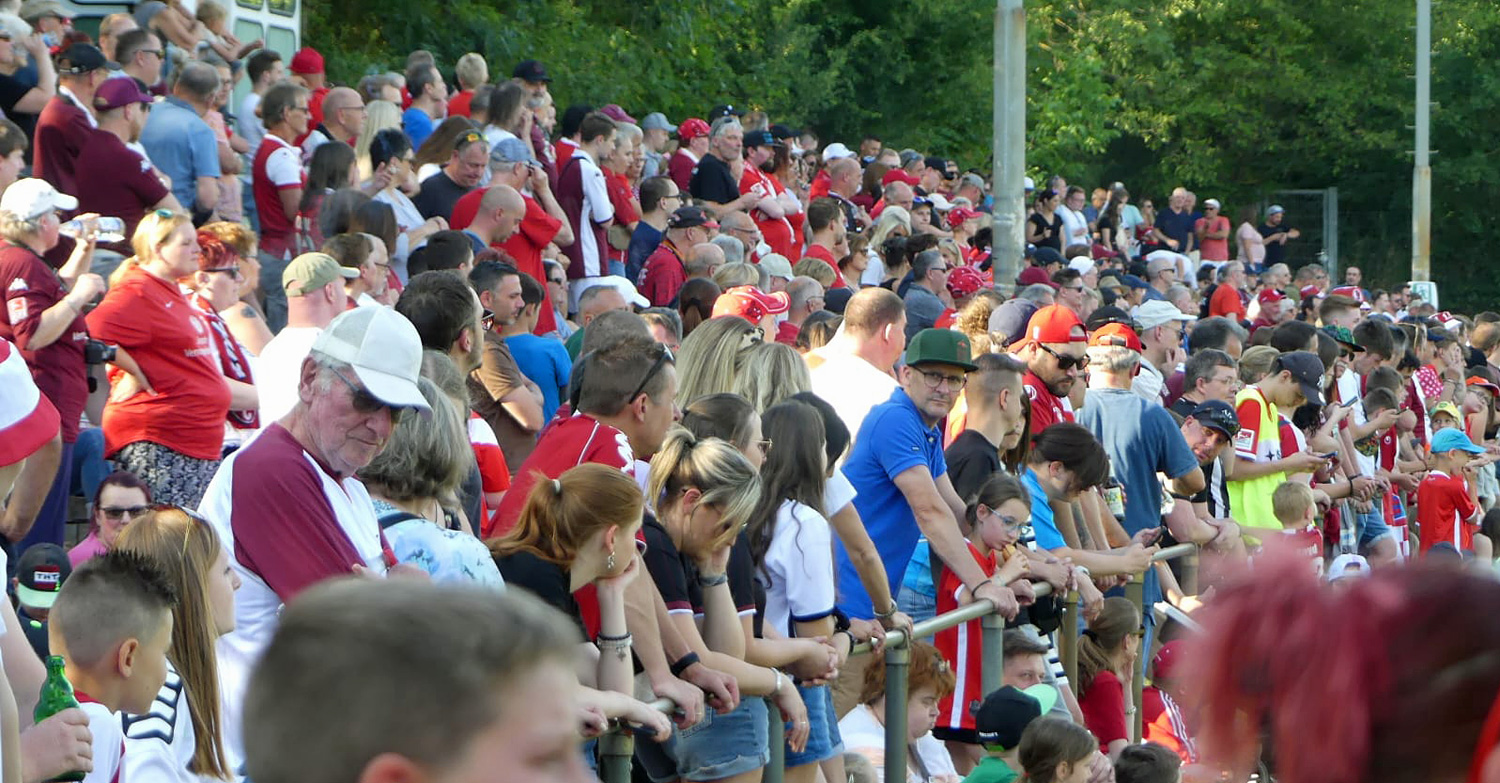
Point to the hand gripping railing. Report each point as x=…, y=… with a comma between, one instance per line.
x=617, y=747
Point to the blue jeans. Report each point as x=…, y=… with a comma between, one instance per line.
x=823, y=739
x=89, y=465
x=271, y=268
x=618, y=268
x=917, y=606
x=717, y=747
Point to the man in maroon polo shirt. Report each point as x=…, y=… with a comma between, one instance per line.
x=66, y=123
x=665, y=271
x=122, y=184
x=1053, y=350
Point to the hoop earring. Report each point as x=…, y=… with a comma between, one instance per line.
x=609, y=562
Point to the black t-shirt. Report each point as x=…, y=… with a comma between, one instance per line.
x=676, y=577
x=543, y=579
x=713, y=182
x=438, y=195
x=971, y=459
x=1053, y=239
x=12, y=91
x=1275, y=251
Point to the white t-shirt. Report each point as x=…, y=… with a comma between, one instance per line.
x=852, y=386
x=278, y=370
x=798, y=568
x=1348, y=386
x=249, y=126
x=864, y=734
x=109, y=742
x=159, y=745
x=874, y=273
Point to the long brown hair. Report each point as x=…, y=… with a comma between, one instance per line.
x=185, y=548
x=561, y=515
x=1106, y=634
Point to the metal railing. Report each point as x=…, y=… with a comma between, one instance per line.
x=617, y=747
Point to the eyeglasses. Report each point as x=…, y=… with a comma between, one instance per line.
x=765, y=446
x=487, y=319
x=666, y=356
x=935, y=380
x=558, y=280
x=1010, y=523
x=303, y=109
x=1064, y=361
x=232, y=271
x=366, y=403
x=157, y=52
x=121, y=512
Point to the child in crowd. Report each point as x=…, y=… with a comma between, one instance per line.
x=1444, y=416
x=1000, y=721
x=996, y=515
x=112, y=624
x=1106, y=659
x=1448, y=498
x=40, y=574
x=1148, y=763
x=1056, y=751
x=927, y=681
x=1164, y=716
x=1296, y=509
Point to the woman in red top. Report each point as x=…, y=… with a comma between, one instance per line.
x=216, y=287
x=170, y=433
x=1106, y=663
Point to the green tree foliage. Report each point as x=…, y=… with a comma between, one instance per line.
x=1234, y=100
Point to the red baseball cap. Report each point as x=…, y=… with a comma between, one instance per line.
x=750, y=303
x=1117, y=335
x=899, y=174
x=307, y=60
x=958, y=215
x=1055, y=324
x=1311, y=290
x=1167, y=659
x=1483, y=384
x=1352, y=291
x=691, y=128
x=1269, y=296
x=964, y=281
x=1032, y=275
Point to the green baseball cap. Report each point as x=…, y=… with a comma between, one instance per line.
x=940, y=346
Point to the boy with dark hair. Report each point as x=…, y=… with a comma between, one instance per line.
x=112, y=624
x=445, y=250
x=1148, y=763
x=999, y=722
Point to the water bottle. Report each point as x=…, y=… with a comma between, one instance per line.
x=110, y=229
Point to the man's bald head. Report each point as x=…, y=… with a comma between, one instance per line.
x=342, y=98
x=843, y=167
x=736, y=221
x=503, y=197
x=342, y=111
x=598, y=300
x=704, y=258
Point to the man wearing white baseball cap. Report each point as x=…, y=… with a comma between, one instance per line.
x=1087, y=269
x=287, y=505
x=1162, y=327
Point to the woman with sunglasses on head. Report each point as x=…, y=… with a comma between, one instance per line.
x=181, y=738
x=121, y=498
x=216, y=287
x=170, y=432
x=705, y=491
x=245, y=318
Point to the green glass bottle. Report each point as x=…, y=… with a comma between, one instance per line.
x=56, y=696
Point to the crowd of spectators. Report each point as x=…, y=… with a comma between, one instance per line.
x=471, y=426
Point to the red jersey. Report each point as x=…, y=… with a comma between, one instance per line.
x=166, y=335
x=1445, y=512
x=1047, y=408
x=776, y=231
x=494, y=475
x=458, y=105
x=786, y=333
x=1166, y=725
x=962, y=647
x=62, y=131
x=30, y=287
x=663, y=275
x=277, y=167
x=823, y=254
x=535, y=230
x=1226, y=301
x=564, y=444
x=818, y=188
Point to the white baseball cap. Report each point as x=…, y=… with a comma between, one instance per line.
x=29, y=199
x=1083, y=264
x=835, y=151
x=776, y=265
x=1156, y=312
x=624, y=286
x=384, y=350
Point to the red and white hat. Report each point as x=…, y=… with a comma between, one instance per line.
x=691, y=128
x=1055, y=324
x=750, y=303
x=27, y=419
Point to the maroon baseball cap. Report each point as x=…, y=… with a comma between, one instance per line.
x=614, y=112
x=114, y=93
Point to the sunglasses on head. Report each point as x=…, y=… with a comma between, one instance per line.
x=666, y=356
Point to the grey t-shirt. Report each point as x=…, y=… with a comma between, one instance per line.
x=923, y=308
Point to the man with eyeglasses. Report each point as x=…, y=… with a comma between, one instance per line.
x=507, y=400
x=441, y=191
x=924, y=303
x=1162, y=326
x=343, y=118
x=666, y=269
x=1053, y=350
x=901, y=476
x=365, y=254
x=287, y=506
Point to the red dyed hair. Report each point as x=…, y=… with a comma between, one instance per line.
x=1388, y=680
x=217, y=254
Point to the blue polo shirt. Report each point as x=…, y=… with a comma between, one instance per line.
x=892, y=439
x=417, y=125
x=1141, y=439
x=182, y=145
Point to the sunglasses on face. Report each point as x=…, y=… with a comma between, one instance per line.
x=117, y=513
x=366, y=403
x=1065, y=362
x=232, y=271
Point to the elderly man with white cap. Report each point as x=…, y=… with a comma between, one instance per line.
x=287, y=507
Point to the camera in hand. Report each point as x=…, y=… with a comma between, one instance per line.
x=98, y=352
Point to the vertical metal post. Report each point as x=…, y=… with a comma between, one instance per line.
x=615, y=750
x=776, y=738
x=1067, y=640
x=1331, y=230
x=1009, y=242
x=1190, y=574
x=1135, y=592
x=897, y=661
x=994, y=653
x=1421, y=205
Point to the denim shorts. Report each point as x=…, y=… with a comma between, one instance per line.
x=1372, y=528
x=717, y=747
x=823, y=740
